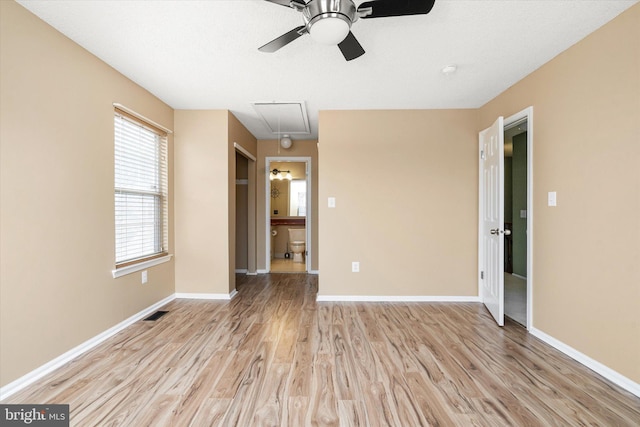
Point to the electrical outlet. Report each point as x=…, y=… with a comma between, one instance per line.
x=144, y=276
x=355, y=267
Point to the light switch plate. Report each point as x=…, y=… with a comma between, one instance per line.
x=145, y=277
x=332, y=202
x=552, y=198
x=355, y=267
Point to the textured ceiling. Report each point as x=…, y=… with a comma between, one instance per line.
x=203, y=54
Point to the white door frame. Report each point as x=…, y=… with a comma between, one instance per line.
x=308, y=246
x=527, y=114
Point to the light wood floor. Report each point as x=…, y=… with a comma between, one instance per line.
x=274, y=357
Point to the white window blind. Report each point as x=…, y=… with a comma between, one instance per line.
x=140, y=189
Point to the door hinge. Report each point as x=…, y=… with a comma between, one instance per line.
x=482, y=157
x=482, y=275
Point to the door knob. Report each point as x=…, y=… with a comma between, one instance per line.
x=497, y=231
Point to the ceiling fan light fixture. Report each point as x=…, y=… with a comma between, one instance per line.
x=330, y=29
x=329, y=21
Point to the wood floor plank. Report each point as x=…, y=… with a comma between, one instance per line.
x=428, y=399
x=321, y=341
x=300, y=377
x=361, y=351
x=232, y=375
x=406, y=407
x=345, y=381
x=297, y=410
x=351, y=413
x=211, y=412
x=192, y=398
x=376, y=400
x=323, y=410
x=287, y=338
x=241, y=410
x=270, y=404
x=273, y=356
x=158, y=412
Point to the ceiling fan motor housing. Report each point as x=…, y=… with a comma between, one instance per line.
x=317, y=13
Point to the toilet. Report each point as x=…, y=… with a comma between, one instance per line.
x=297, y=238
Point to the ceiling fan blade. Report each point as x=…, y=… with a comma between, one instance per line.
x=350, y=47
x=287, y=3
x=283, y=40
x=384, y=8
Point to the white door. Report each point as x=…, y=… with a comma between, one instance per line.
x=491, y=257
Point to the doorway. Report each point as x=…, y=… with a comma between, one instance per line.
x=244, y=244
x=499, y=259
x=288, y=213
x=515, y=220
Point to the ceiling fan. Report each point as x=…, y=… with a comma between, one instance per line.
x=329, y=21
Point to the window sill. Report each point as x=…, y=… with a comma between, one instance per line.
x=118, y=272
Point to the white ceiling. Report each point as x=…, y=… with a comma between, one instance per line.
x=204, y=54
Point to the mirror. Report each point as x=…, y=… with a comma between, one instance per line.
x=289, y=197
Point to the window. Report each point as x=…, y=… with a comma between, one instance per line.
x=140, y=189
x=298, y=197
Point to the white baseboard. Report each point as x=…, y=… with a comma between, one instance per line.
x=262, y=271
x=518, y=276
x=189, y=295
x=54, y=364
x=605, y=371
x=316, y=272
x=397, y=298
x=252, y=274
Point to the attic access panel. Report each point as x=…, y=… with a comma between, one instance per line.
x=284, y=117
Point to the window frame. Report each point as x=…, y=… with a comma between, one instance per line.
x=160, y=197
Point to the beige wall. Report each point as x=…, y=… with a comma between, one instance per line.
x=205, y=177
x=202, y=219
x=56, y=192
x=586, y=125
x=300, y=148
x=405, y=184
x=279, y=204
